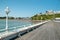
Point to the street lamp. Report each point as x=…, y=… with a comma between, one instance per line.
x=7, y=12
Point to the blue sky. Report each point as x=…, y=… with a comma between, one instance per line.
x=28, y=8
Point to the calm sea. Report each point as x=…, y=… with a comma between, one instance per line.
x=13, y=24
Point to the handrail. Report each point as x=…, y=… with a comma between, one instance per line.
x=2, y=29
x=15, y=27
x=19, y=31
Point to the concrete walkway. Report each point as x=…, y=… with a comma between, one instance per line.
x=48, y=31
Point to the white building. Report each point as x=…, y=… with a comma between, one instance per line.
x=49, y=12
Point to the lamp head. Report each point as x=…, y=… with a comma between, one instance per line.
x=7, y=10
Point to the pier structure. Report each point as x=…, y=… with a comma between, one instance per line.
x=47, y=31
x=20, y=31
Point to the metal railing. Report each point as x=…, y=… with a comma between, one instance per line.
x=15, y=28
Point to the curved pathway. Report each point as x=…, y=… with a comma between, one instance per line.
x=48, y=31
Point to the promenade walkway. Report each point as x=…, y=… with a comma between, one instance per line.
x=48, y=31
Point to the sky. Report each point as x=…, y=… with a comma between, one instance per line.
x=28, y=8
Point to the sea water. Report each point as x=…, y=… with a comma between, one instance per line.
x=12, y=24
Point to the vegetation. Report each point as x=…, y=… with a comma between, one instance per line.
x=2, y=17
x=10, y=18
x=45, y=16
x=5, y=17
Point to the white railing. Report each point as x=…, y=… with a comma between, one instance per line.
x=15, y=28
x=18, y=31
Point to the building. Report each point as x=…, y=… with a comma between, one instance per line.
x=49, y=12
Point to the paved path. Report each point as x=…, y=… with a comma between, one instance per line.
x=48, y=31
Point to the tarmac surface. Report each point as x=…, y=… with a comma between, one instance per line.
x=47, y=31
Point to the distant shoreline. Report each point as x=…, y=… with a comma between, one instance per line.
x=33, y=21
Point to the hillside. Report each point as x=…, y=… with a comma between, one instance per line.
x=45, y=16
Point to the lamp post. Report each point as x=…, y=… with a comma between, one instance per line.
x=7, y=12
